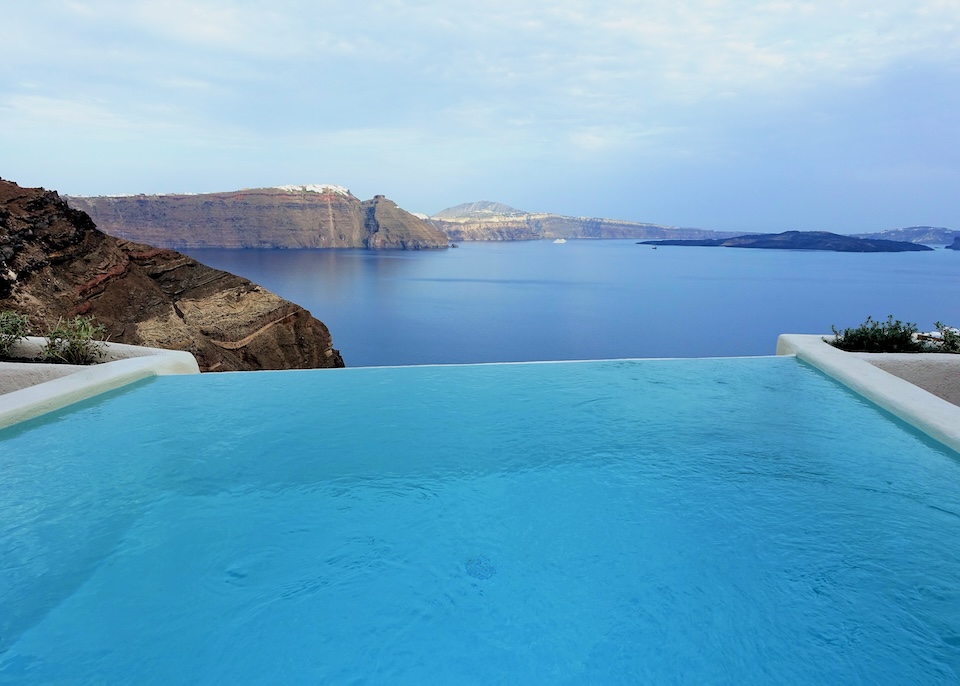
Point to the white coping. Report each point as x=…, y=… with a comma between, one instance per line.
x=938, y=373
x=921, y=409
x=125, y=364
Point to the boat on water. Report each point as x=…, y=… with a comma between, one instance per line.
x=560, y=240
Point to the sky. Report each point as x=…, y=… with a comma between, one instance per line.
x=722, y=114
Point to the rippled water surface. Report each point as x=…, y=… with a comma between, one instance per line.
x=693, y=521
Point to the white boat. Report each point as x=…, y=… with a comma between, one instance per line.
x=560, y=240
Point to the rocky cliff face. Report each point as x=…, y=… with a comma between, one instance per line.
x=387, y=226
x=55, y=263
x=283, y=217
x=487, y=221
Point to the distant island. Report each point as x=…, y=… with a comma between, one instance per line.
x=802, y=240
x=492, y=221
x=955, y=245
x=928, y=235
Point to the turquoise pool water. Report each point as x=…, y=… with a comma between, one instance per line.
x=685, y=521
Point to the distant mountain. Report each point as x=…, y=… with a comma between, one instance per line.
x=483, y=209
x=927, y=235
x=490, y=221
x=803, y=240
x=308, y=216
x=955, y=245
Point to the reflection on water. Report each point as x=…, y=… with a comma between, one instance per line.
x=496, y=302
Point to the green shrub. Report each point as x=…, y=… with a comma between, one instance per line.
x=949, y=339
x=892, y=336
x=76, y=341
x=13, y=327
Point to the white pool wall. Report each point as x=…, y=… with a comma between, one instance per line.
x=62, y=385
x=863, y=373
x=938, y=373
x=918, y=407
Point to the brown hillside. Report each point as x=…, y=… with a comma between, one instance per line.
x=55, y=263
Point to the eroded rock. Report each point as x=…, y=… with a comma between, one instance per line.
x=55, y=263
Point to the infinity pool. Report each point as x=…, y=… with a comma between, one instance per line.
x=679, y=521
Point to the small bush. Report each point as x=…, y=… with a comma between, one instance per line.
x=76, y=341
x=13, y=327
x=892, y=336
x=949, y=339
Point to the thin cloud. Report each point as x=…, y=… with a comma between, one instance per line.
x=558, y=86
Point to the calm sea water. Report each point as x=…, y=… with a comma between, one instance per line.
x=688, y=521
x=495, y=302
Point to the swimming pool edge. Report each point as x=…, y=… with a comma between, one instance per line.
x=921, y=409
x=33, y=401
x=926, y=412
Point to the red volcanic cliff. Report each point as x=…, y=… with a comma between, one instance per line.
x=284, y=217
x=55, y=263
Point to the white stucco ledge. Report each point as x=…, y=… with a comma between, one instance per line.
x=921, y=409
x=68, y=384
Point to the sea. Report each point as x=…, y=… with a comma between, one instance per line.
x=592, y=299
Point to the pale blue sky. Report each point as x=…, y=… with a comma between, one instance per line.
x=724, y=114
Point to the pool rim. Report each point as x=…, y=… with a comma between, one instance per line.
x=933, y=416
x=126, y=364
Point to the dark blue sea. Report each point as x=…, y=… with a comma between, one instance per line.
x=591, y=299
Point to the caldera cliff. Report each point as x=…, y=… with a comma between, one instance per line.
x=490, y=221
x=311, y=216
x=55, y=263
